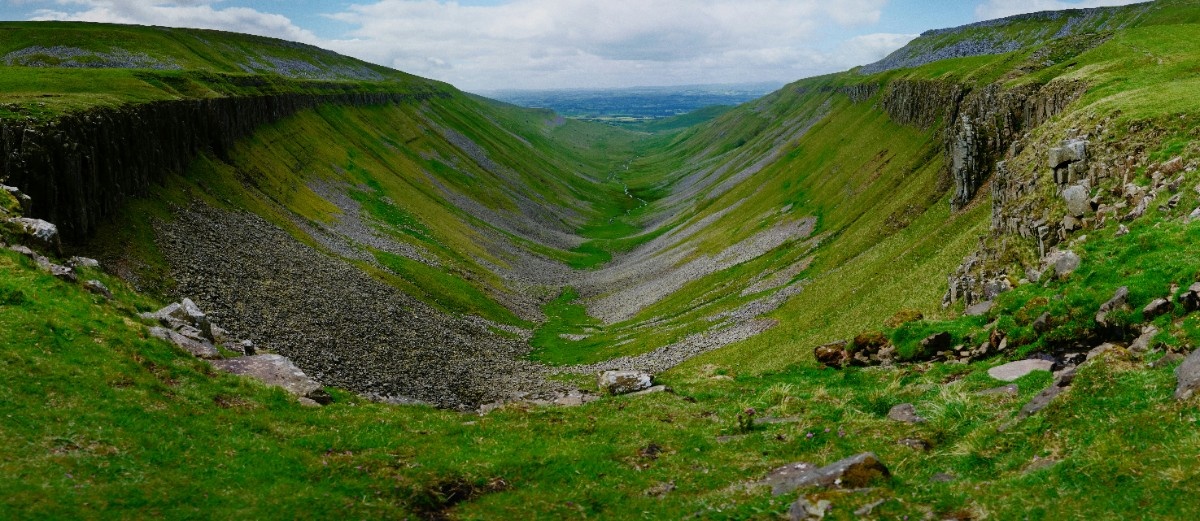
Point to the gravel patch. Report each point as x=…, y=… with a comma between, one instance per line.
x=341, y=326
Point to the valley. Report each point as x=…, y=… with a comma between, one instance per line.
x=840, y=267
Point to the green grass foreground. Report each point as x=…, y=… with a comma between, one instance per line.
x=101, y=421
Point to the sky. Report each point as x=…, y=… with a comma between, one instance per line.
x=487, y=45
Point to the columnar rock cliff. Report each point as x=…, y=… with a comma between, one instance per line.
x=81, y=167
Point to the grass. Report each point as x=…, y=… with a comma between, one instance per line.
x=94, y=440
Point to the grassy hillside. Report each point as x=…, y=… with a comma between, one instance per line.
x=818, y=213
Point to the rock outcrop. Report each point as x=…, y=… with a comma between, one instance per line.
x=82, y=166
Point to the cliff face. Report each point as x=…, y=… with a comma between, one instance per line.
x=980, y=126
x=81, y=167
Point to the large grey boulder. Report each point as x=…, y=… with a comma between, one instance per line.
x=192, y=314
x=1013, y=371
x=624, y=382
x=1071, y=152
x=43, y=234
x=278, y=371
x=1157, y=308
x=980, y=309
x=1061, y=263
x=1188, y=376
x=1145, y=341
x=1076, y=197
x=854, y=472
x=197, y=348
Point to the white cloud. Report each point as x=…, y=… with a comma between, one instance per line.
x=178, y=13
x=1001, y=8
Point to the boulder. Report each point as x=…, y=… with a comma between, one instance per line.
x=854, y=472
x=832, y=354
x=83, y=262
x=98, y=288
x=1048, y=395
x=1013, y=371
x=1120, y=300
x=1144, y=341
x=196, y=348
x=653, y=390
x=1188, y=376
x=1156, y=308
x=980, y=309
x=42, y=233
x=905, y=413
x=624, y=382
x=1062, y=263
x=23, y=200
x=1070, y=152
x=1076, y=197
x=277, y=371
x=62, y=273
x=1190, y=299
x=192, y=314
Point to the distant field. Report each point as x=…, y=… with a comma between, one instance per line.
x=633, y=106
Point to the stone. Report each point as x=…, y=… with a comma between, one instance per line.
x=905, y=413
x=1190, y=299
x=25, y=201
x=1188, y=376
x=653, y=390
x=854, y=472
x=803, y=509
x=1122, y=231
x=1048, y=395
x=276, y=371
x=1193, y=216
x=62, y=273
x=1042, y=323
x=1007, y=390
x=1013, y=371
x=1145, y=340
x=1120, y=300
x=83, y=262
x=1076, y=197
x=42, y=233
x=832, y=354
x=193, y=315
x=196, y=348
x=98, y=288
x=980, y=309
x=1071, y=152
x=1063, y=263
x=1157, y=308
x=624, y=382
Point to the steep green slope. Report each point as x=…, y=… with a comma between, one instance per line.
x=461, y=251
